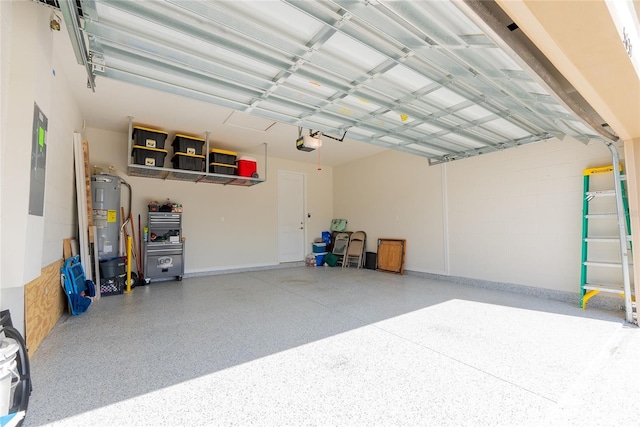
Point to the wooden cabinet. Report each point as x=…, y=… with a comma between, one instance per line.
x=391, y=254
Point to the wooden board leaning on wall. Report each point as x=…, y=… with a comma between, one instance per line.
x=44, y=302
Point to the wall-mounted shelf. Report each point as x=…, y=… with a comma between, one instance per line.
x=187, y=175
x=178, y=175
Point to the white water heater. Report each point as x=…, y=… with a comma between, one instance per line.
x=105, y=199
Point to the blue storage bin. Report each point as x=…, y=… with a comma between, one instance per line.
x=319, y=248
x=320, y=259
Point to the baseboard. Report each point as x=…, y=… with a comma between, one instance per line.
x=242, y=269
x=602, y=301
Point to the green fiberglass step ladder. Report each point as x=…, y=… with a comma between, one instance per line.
x=623, y=239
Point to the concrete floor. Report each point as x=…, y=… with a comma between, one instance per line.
x=330, y=346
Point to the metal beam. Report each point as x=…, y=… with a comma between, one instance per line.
x=72, y=21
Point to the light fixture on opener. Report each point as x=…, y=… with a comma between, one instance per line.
x=312, y=141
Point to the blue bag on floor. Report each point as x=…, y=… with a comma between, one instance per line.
x=76, y=286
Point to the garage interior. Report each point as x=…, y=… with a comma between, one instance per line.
x=463, y=127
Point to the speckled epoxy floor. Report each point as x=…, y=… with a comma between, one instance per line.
x=323, y=346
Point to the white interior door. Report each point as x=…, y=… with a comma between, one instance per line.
x=291, y=188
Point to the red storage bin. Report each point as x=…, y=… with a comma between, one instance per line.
x=247, y=166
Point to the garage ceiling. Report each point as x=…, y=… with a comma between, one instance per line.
x=416, y=76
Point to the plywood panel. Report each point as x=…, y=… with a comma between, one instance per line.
x=44, y=303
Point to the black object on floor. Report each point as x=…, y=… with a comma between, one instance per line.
x=23, y=387
x=370, y=260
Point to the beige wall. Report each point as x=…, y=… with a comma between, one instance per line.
x=594, y=61
x=395, y=195
x=512, y=216
x=225, y=226
x=516, y=216
x=597, y=64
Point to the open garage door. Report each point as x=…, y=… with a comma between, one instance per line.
x=426, y=77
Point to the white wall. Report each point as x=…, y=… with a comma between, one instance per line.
x=512, y=216
x=5, y=52
x=65, y=118
x=32, y=242
x=247, y=236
